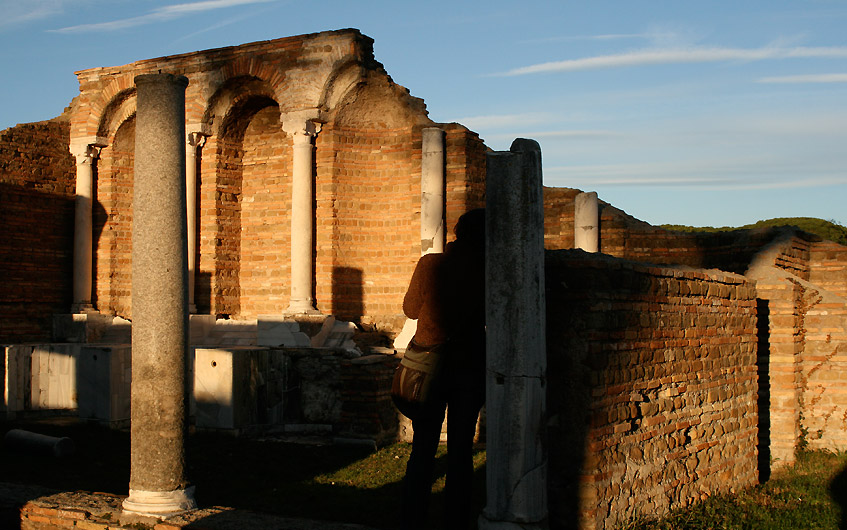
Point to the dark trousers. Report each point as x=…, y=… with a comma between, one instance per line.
x=462, y=414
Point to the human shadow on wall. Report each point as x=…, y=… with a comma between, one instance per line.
x=348, y=293
x=36, y=260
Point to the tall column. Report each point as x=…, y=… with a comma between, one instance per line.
x=586, y=222
x=194, y=141
x=85, y=152
x=432, y=190
x=515, y=320
x=158, y=485
x=302, y=217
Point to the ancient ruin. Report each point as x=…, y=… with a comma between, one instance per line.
x=677, y=365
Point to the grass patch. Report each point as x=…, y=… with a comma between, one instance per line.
x=810, y=495
x=345, y=483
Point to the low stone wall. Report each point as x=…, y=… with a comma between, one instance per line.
x=652, y=387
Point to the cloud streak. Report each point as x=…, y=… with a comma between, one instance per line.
x=678, y=56
x=159, y=14
x=809, y=78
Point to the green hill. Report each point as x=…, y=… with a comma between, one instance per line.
x=825, y=229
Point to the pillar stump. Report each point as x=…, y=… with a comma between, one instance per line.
x=586, y=222
x=158, y=486
x=516, y=476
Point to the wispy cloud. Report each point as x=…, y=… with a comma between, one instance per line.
x=731, y=174
x=159, y=14
x=16, y=12
x=493, y=121
x=678, y=56
x=809, y=78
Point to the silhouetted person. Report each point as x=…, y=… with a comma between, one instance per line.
x=447, y=297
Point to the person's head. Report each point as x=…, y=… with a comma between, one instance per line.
x=470, y=228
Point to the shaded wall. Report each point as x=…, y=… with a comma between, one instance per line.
x=37, y=179
x=652, y=394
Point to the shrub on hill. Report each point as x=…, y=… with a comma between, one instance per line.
x=820, y=227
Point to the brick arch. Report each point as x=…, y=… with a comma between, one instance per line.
x=110, y=97
x=121, y=107
x=245, y=180
x=230, y=95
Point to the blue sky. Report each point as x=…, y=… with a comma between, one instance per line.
x=714, y=113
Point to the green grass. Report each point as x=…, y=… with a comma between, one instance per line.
x=825, y=229
x=346, y=483
x=810, y=495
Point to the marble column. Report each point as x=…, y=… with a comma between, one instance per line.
x=194, y=141
x=515, y=322
x=302, y=217
x=586, y=222
x=86, y=152
x=158, y=485
x=432, y=190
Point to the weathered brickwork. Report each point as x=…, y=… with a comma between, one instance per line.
x=245, y=101
x=112, y=219
x=828, y=267
x=37, y=179
x=652, y=392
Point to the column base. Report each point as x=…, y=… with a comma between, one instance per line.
x=302, y=307
x=83, y=307
x=159, y=504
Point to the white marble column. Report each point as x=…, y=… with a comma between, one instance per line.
x=194, y=141
x=432, y=190
x=86, y=152
x=586, y=222
x=302, y=217
x=516, y=345
x=158, y=485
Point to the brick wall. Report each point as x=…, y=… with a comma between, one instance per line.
x=624, y=236
x=652, y=393
x=828, y=266
x=36, y=241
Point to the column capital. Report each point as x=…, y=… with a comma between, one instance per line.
x=87, y=149
x=308, y=128
x=196, y=138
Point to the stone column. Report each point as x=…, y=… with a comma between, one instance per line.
x=158, y=486
x=86, y=152
x=586, y=222
x=432, y=210
x=194, y=141
x=302, y=217
x=515, y=320
x=432, y=190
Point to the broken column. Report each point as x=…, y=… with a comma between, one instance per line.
x=432, y=190
x=515, y=322
x=586, y=222
x=158, y=486
x=432, y=209
x=302, y=216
